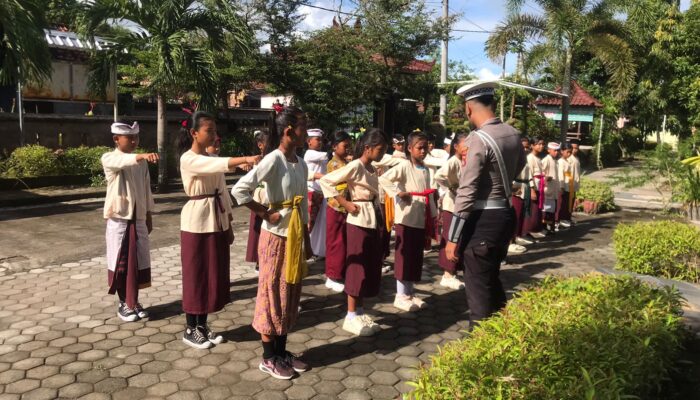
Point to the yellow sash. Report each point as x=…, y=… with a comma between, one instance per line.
x=389, y=212
x=571, y=189
x=295, y=262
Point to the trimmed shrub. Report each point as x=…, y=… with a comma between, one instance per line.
x=659, y=248
x=30, y=161
x=591, y=337
x=595, y=197
x=83, y=160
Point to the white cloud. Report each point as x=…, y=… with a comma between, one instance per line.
x=315, y=18
x=486, y=74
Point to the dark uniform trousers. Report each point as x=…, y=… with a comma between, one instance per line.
x=485, y=240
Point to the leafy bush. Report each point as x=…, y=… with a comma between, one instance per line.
x=83, y=160
x=660, y=248
x=598, y=192
x=242, y=143
x=610, y=151
x=592, y=337
x=32, y=160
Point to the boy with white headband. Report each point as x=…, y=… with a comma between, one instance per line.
x=317, y=161
x=552, y=187
x=128, y=207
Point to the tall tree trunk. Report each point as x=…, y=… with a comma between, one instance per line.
x=566, y=89
x=162, y=137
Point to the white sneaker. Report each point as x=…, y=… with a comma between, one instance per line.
x=404, y=303
x=387, y=268
x=516, y=249
x=451, y=282
x=370, y=322
x=565, y=224
x=537, y=235
x=357, y=326
x=335, y=285
x=418, y=302
x=523, y=241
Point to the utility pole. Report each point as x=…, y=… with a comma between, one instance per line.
x=443, y=67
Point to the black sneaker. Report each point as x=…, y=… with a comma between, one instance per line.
x=196, y=338
x=140, y=311
x=126, y=313
x=211, y=336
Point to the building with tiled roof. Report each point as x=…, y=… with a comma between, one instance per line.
x=581, y=110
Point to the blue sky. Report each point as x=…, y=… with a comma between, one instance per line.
x=466, y=47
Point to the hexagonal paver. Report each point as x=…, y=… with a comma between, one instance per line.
x=125, y=371
x=75, y=390
x=58, y=381
x=42, y=371
x=41, y=394
x=162, y=389
x=22, y=386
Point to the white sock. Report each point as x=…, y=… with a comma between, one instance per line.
x=404, y=288
x=351, y=315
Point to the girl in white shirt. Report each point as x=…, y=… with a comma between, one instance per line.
x=284, y=240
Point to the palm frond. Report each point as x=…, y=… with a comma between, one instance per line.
x=24, y=53
x=512, y=33
x=616, y=56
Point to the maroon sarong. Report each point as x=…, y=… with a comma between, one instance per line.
x=364, y=261
x=443, y=262
x=518, y=205
x=534, y=222
x=205, y=272
x=251, y=253
x=408, y=258
x=315, y=201
x=126, y=273
x=335, y=244
x=563, y=211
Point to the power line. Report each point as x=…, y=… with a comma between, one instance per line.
x=329, y=9
x=470, y=31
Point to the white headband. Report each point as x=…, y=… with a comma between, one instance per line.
x=553, y=146
x=314, y=132
x=120, y=128
x=396, y=141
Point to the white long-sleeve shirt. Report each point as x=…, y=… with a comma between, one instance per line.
x=204, y=175
x=447, y=177
x=406, y=177
x=316, y=161
x=363, y=187
x=128, y=186
x=283, y=181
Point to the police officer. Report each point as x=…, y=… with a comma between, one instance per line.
x=483, y=220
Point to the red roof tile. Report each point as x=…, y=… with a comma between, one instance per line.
x=579, y=98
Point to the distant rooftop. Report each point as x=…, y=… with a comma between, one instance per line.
x=579, y=98
x=70, y=41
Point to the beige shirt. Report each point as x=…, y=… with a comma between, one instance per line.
x=387, y=162
x=362, y=185
x=283, y=181
x=448, y=178
x=522, y=183
x=434, y=160
x=534, y=164
x=564, y=166
x=204, y=175
x=549, y=167
x=576, y=168
x=399, y=154
x=405, y=177
x=128, y=186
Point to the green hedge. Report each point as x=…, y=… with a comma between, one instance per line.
x=592, y=337
x=597, y=192
x=660, y=248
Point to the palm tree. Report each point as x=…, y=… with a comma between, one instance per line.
x=575, y=27
x=172, y=40
x=24, y=53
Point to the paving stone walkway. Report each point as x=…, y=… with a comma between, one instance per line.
x=60, y=338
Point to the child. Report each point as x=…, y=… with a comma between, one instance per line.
x=128, y=207
x=284, y=240
x=316, y=160
x=448, y=179
x=409, y=184
x=398, y=144
x=568, y=179
x=205, y=228
x=533, y=224
x=551, y=189
x=364, y=228
x=335, y=217
x=251, y=254
x=523, y=194
x=435, y=159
